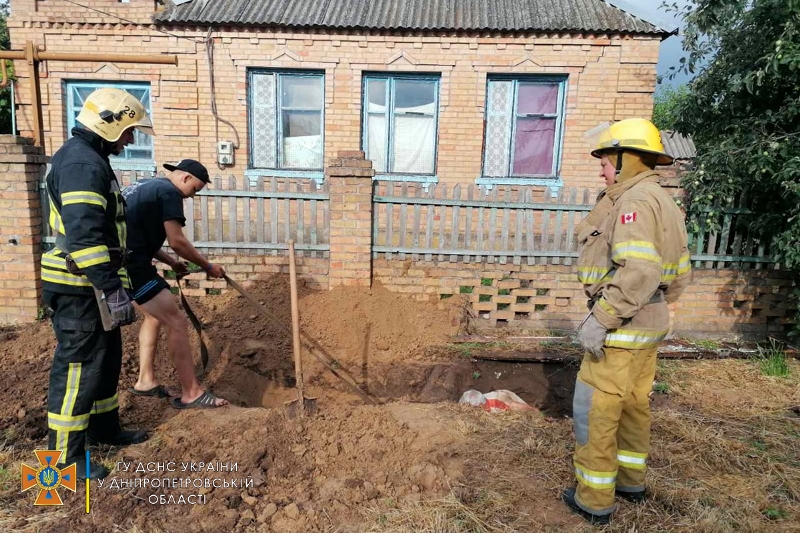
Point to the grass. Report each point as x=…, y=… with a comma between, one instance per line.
x=487, y=282
x=468, y=349
x=465, y=290
x=661, y=387
x=772, y=360
x=724, y=459
x=707, y=344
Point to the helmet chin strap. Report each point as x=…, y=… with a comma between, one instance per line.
x=619, y=162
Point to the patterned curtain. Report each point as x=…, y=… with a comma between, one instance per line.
x=264, y=118
x=499, y=108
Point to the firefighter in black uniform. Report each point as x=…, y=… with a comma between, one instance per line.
x=84, y=279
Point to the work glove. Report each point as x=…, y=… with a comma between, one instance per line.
x=591, y=335
x=121, y=307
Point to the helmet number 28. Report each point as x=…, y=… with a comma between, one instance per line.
x=128, y=111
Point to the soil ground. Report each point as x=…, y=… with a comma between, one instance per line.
x=725, y=454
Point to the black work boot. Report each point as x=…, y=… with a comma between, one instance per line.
x=568, y=497
x=104, y=428
x=96, y=471
x=638, y=496
x=76, y=453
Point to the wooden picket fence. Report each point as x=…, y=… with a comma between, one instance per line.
x=521, y=224
x=474, y=224
x=504, y=224
x=238, y=216
x=242, y=216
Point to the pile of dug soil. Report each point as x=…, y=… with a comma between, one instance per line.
x=307, y=474
x=372, y=335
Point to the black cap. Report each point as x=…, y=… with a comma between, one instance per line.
x=195, y=168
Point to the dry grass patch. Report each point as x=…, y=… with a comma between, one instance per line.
x=725, y=458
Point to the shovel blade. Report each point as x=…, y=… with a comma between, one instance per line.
x=300, y=408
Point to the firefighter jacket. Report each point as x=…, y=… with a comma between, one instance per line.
x=87, y=217
x=634, y=259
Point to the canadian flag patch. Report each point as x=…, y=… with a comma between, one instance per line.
x=627, y=218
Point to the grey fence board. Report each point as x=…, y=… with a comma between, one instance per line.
x=522, y=224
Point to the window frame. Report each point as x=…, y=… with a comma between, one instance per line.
x=553, y=179
x=117, y=162
x=389, y=114
x=253, y=171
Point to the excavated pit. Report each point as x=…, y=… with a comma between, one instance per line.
x=394, y=347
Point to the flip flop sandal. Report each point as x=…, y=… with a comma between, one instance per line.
x=159, y=391
x=204, y=401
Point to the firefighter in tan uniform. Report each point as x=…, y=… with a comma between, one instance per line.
x=634, y=260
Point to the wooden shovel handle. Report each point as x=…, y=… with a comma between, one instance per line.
x=311, y=345
x=298, y=358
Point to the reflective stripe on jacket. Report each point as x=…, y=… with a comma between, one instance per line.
x=633, y=250
x=87, y=216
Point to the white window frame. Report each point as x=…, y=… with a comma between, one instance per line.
x=552, y=179
x=390, y=113
x=122, y=161
x=278, y=169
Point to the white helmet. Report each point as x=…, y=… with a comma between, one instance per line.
x=110, y=111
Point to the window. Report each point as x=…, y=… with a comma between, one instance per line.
x=286, y=120
x=400, y=123
x=524, y=124
x=136, y=156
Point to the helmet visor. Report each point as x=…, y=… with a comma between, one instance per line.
x=599, y=138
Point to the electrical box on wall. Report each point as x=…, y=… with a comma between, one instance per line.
x=225, y=153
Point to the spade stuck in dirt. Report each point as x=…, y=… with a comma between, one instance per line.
x=311, y=346
x=302, y=406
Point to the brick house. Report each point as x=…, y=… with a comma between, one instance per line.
x=450, y=91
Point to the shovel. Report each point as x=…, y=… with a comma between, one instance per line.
x=302, y=406
x=312, y=346
x=198, y=326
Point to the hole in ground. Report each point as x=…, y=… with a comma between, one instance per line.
x=547, y=386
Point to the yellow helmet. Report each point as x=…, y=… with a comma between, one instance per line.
x=110, y=111
x=636, y=134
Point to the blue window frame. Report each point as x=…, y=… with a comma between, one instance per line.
x=400, y=123
x=286, y=119
x=136, y=156
x=524, y=129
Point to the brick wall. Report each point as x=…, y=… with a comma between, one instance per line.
x=718, y=303
x=21, y=165
x=727, y=303
x=610, y=77
x=311, y=271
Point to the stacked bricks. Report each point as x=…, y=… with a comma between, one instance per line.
x=350, y=182
x=312, y=272
x=21, y=165
x=732, y=304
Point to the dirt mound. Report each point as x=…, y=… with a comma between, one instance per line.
x=367, y=332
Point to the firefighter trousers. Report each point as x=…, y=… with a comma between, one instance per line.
x=611, y=413
x=83, y=377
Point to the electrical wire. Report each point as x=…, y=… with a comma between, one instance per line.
x=209, y=43
x=139, y=24
x=218, y=119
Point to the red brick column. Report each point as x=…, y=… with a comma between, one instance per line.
x=350, y=182
x=21, y=165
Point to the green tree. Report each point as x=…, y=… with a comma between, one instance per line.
x=667, y=104
x=5, y=93
x=743, y=111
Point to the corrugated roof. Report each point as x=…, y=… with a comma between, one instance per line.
x=677, y=145
x=426, y=15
